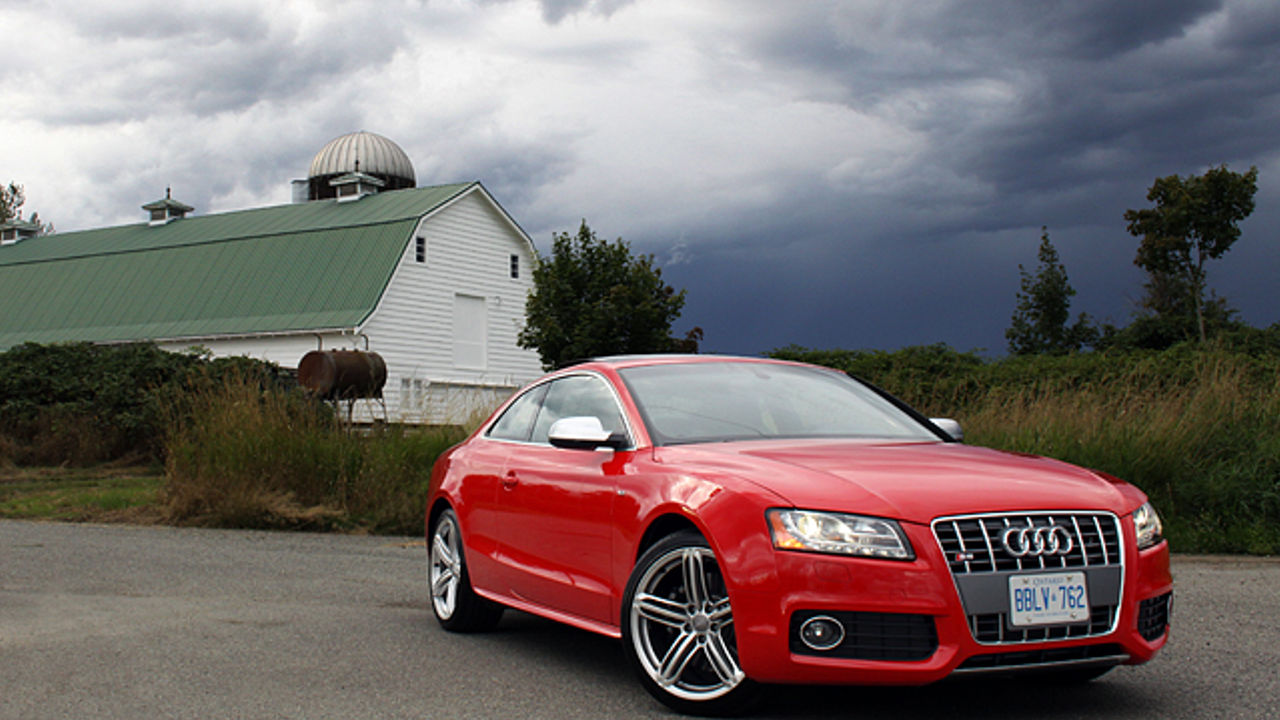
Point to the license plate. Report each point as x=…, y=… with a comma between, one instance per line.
x=1048, y=599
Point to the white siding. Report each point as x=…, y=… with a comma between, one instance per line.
x=469, y=245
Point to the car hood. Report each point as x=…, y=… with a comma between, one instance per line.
x=908, y=481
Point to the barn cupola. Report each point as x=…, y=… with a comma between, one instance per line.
x=354, y=165
x=166, y=210
x=355, y=185
x=15, y=229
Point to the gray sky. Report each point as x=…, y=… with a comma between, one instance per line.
x=833, y=174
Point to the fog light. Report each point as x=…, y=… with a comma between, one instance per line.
x=822, y=632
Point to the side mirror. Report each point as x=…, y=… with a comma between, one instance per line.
x=950, y=427
x=583, y=433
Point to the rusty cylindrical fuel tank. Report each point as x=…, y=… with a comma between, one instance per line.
x=342, y=374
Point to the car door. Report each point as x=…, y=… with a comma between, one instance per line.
x=481, y=463
x=556, y=506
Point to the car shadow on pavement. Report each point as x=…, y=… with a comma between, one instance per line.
x=552, y=644
x=577, y=659
x=989, y=699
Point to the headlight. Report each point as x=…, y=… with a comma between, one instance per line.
x=1147, y=524
x=838, y=534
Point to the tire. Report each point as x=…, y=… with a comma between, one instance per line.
x=677, y=629
x=456, y=605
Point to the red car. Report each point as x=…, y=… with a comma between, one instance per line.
x=740, y=521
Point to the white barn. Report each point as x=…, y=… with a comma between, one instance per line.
x=433, y=279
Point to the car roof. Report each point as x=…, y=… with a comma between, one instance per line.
x=624, y=361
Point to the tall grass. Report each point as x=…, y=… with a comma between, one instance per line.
x=1198, y=429
x=241, y=454
x=1206, y=449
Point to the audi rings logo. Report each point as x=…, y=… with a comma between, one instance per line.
x=1023, y=542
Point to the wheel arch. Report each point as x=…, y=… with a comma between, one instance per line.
x=433, y=513
x=664, y=525
x=733, y=525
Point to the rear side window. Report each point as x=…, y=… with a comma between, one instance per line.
x=517, y=421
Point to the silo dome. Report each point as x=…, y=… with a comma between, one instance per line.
x=363, y=152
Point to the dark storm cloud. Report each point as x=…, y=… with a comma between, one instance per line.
x=1058, y=115
x=910, y=296
x=1103, y=80
x=877, y=46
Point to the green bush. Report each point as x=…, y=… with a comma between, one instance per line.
x=80, y=403
x=1197, y=428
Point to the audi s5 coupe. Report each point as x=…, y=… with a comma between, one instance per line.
x=738, y=522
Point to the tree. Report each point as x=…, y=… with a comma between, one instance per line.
x=1039, y=324
x=11, y=198
x=1195, y=219
x=1167, y=314
x=593, y=297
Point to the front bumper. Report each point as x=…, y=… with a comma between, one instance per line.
x=892, y=606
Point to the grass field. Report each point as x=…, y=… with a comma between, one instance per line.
x=103, y=494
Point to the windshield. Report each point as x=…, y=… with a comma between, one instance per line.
x=722, y=401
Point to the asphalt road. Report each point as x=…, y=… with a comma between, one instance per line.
x=129, y=622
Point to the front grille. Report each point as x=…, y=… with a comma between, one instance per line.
x=1153, y=616
x=873, y=636
x=972, y=544
x=981, y=567
x=1049, y=656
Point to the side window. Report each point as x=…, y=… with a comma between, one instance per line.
x=517, y=422
x=575, y=396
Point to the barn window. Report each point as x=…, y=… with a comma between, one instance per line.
x=420, y=249
x=515, y=267
x=412, y=397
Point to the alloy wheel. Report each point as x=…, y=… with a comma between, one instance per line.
x=682, y=626
x=446, y=567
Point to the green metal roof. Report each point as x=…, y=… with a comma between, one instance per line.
x=308, y=266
